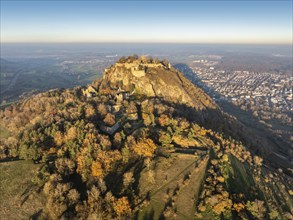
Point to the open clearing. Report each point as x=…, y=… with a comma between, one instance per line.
x=18, y=198
x=171, y=181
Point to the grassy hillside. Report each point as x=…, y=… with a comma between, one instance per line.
x=176, y=180
x=19, y=199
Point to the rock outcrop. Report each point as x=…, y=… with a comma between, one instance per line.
x=155, y=79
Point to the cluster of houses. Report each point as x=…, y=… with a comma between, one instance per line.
x=120, y=96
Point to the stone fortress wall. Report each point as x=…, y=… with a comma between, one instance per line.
x=138, y=69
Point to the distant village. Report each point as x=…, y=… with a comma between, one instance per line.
x=267, y=94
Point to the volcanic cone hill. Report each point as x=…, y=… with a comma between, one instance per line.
x=155, y=79
x=141, y=143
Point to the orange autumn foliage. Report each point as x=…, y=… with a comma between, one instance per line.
x=184, y=142
x=97, y=169
x=122, y=207
x=108, y=159
x=221, y=206
x=145, y=148
x=71, y=133
x=58, y=138
x=81, y=160
x=238, y=207
x=163, y=120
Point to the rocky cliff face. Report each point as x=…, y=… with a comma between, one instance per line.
x=156, y=80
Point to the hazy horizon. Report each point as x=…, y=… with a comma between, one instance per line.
x=10, y=50
x=194, y=22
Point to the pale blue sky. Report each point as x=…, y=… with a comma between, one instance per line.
x=147, y=21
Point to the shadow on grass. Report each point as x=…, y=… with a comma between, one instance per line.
x=149, y=215
x=36, y=215
x=9, y=159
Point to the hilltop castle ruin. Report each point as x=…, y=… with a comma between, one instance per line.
x=138, y=66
